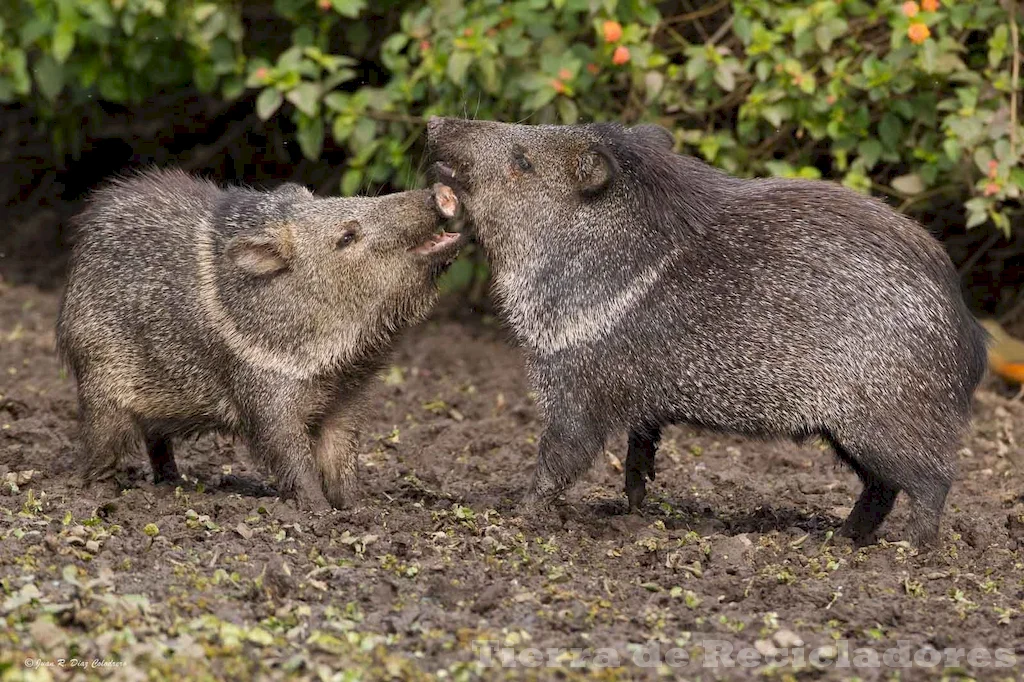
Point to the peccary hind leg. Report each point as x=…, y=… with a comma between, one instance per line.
x=643, y=446
x=874, y=504
x=567, y=450
x=920, y=476
x=161, y=458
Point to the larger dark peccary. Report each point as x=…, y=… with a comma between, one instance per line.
x=648, y=288
x=191, y=308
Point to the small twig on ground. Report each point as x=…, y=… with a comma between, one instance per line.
x=924, y=196
x=1010, y=316
x=976, y=256
x=392, y=117
x=722, y=30
x=697, y=14
x=1014, y=78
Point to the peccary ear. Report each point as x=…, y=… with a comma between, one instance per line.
x=595, y=170
x=655, y=135
x=261, y=254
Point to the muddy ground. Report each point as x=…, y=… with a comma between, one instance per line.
x=734, y=554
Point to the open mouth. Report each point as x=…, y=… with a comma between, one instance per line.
x=437, y=243
x=445, y=173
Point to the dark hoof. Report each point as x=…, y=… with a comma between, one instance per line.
x=167, y=475
x=636, y=491
x=858, y=536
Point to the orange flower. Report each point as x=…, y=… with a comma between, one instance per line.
x=594, y=69
x=621, y=55
x=930, y=5
x=262, y=73
x=918, y=33
x=993, y=169
x=565, y=74
x=910, y=8
x=325, y=4
x=558, y=85
x=468, y=32
x=612, y=31
x=424, y=45
x=991, y=188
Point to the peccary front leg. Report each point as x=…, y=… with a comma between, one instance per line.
x=335, y=452
x=110, y=435
x=161, y=458
x=568, y=447
x=280, y=443
x=643, y=446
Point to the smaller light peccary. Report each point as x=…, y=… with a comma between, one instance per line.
x=191, y=308
x=648, y=288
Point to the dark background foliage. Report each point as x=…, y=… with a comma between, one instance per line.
x=915, y=102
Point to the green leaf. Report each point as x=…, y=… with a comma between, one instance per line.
x=982, y=155
x=351, y=181
x=204, y=78
x=349, y=8
x=63, y=41
x=890, y=129
x=49, y=77
x=654, y=81
x=539, y=99
x=870, y=151
x=696, y=65
x=268, y=102
x=977, y=212
x=909, y=184
x=310, y=134
x=567, y=110
x=112, y=87
x=1017, y=177
x=776, y=114
x=458, y=64
x=364, y=133
x=306, y=98
x=725, y=77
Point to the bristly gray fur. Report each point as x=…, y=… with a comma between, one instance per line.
x=192, y=308
x=648, y=288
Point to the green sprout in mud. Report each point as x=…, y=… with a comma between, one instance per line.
x=1005, y=614
x=990, y=586
x=914, y=588
x=689, y=597
x=962, y=605
x=391, y=564
x=33, y=505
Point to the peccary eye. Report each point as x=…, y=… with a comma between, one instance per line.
x=523, y=163
x=349, y=237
